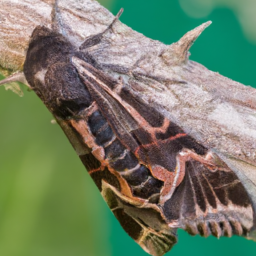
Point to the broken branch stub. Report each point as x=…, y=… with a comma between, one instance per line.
x=177, y=53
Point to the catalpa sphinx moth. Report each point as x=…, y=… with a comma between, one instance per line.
x=154, y=176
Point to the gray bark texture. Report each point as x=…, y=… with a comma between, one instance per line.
x=218, y=112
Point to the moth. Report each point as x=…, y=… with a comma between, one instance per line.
x=154, y=176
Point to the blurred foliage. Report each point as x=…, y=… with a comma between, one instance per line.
x=14, y=87
x=48, y=203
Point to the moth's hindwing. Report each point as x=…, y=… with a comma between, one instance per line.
x=154, y=177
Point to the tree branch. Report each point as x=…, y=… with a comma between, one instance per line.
x=218, y=112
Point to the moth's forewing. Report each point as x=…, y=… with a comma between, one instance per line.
x=154, y=177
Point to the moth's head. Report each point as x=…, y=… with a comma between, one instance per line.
x=50, y=73
x=46, y=47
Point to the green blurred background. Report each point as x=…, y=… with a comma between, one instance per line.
x=48, y=203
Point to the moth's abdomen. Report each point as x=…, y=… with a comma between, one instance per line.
x=121, y=160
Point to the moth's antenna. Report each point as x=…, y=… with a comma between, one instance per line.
x=56, y=19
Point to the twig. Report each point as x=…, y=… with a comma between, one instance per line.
x=218, y=112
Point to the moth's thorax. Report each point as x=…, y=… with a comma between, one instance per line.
x=50, y=73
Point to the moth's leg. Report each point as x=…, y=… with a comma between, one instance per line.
x=96, y=39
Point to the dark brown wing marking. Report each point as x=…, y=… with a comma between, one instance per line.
x=108, y=177
x=90, y=162
x=151, y=115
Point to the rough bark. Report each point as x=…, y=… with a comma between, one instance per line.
x=218, y=112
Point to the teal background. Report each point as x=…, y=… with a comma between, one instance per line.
x=48, y=203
